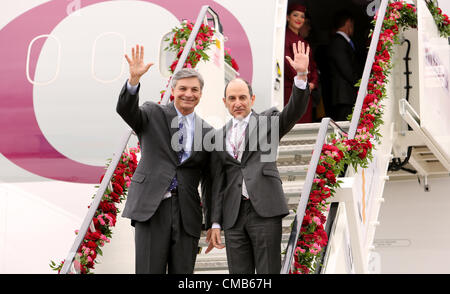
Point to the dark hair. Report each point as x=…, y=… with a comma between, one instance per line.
x=250, y=91
x=341, y=17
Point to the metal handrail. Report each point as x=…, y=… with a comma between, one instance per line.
x=126, y=137
x=298, y=220
x=95, y=203
x=301, y=208
x=367, y=69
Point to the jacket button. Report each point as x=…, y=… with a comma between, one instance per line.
x=239, y=185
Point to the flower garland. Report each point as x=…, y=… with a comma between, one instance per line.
x=105, y=215
x=230, y=60
x=358, y=151
x=198, y=51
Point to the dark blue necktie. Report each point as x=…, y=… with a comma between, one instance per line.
x=351, y=44
x=181, y=128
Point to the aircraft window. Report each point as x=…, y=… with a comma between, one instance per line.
x=105, y=54
x=58, y=63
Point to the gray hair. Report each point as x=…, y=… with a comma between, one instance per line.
x=187, y=73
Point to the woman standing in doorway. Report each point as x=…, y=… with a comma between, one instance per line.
x=295, y=20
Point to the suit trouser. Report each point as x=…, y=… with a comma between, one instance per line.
x=161, y=243
x=254, y=242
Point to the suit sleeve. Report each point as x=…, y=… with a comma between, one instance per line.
x=206, y=187
x=128, y=108
x=293, y=111
x=218, y=180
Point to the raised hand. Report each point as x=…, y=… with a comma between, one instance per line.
x=301, y=57
x=137, y=65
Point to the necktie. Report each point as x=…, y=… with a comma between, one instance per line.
x=351, y=44
x=238, y=147
x=183, y=138
x=181, y=141
x=238, y=139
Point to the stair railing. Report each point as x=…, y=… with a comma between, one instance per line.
x=298, y=220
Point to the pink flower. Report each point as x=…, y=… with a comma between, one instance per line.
x=100, y=220
x=314, y=251
x=301, y=250
x=317, y=220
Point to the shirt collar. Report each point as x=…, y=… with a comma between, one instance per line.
x=189, y=117
x=346, y=37
x=245, y=119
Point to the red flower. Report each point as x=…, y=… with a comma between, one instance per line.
x=331, y=177
x=363, y=153
x=234, y=64
x=320, y=169
x=376, y=68
x=117, y=188
x=91, y=244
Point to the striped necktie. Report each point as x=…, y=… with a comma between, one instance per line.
x=181, y=141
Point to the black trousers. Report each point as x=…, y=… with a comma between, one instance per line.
x=254, y=242
x=162, y=245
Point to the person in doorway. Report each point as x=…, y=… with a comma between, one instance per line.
x=344, y=69
x=248, y=202
x=295, y=20
x=163, y=201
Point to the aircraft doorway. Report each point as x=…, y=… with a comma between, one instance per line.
x=318, y=30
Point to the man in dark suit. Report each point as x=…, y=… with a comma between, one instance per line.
x=344, y=70
x=248, y=202
x=163, y=200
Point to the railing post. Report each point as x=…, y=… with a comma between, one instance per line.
x=367, y=69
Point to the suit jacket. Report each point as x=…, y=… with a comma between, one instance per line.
x=262, y=179
x=159, y=163
x=343, y=70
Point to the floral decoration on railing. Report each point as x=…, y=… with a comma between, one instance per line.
x=106, y=214
x=356, y=152
x=180, y=37
x=203, y=41
x=230, y=60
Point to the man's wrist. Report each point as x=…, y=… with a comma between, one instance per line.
x=134, y=81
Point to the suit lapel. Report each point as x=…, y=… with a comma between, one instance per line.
x=171, y=113
x=225, y=130
x=250, y=132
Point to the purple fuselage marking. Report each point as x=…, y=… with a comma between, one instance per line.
x=21, y=139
